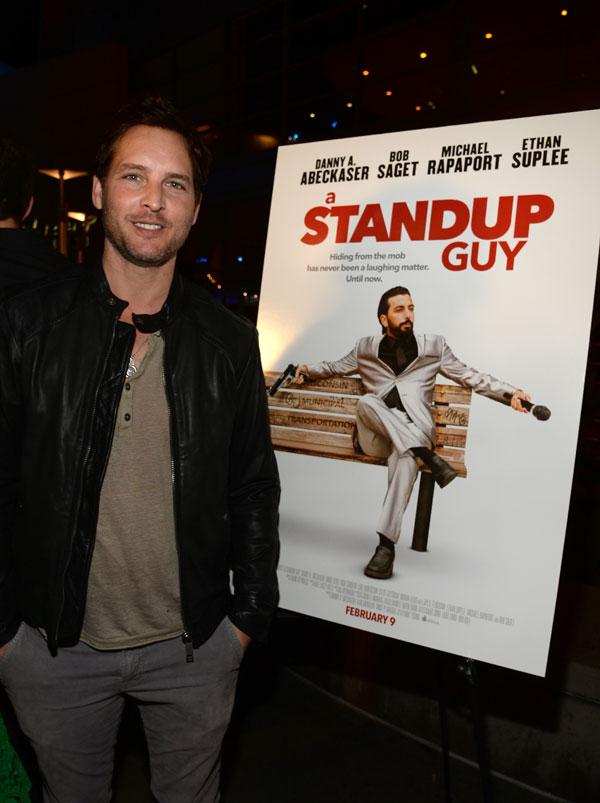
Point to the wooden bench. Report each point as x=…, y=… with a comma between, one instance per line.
x=319, y=416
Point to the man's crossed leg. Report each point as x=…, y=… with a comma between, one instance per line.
x=390, y=433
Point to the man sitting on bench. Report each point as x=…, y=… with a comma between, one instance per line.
x=393, y=419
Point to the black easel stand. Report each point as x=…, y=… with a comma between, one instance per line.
x=468, y=668
x=443, y=709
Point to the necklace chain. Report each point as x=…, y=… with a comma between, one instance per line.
x=132, y=367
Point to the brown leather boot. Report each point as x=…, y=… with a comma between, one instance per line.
x=381, y=565
x=442, y=472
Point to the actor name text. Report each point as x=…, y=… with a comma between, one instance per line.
x=398, y=166
x=335, y=169
x=464, y=157
x=541, y=152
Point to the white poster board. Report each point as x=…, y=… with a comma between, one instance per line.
x=494, y=229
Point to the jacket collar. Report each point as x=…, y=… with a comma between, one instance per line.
x=144, y=323
x=419, y=338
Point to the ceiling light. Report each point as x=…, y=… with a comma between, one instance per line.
x=65, y=175
x=423, y=54
x=264, y=141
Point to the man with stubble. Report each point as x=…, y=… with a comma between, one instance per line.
x=136, y=477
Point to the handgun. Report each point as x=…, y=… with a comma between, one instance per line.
x=283, y=379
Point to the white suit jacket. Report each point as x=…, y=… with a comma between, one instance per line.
x=415, y=384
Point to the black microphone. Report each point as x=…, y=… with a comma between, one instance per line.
x=537, y=410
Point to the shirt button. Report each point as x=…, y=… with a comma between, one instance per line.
x=127, y=417
x=127, y=385
x=111, y=301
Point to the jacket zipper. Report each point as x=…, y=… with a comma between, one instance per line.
x=185, y=637
x=85, y=463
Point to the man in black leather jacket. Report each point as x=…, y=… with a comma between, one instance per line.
x=136, y=478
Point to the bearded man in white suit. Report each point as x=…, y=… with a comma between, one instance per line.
x=394, y=418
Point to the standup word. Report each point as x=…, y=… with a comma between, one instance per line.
x=446, y=219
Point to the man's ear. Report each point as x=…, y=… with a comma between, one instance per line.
x=383, y=321
x=97, y=192
x=196, y=210
x=28, y=210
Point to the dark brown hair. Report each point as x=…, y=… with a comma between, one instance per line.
x=383, y=307
x=159, y=113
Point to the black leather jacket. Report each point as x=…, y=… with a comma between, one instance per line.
x=63, y=356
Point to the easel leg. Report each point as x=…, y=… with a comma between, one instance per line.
x=423, y=514
x=443, y=709
x=469, y=669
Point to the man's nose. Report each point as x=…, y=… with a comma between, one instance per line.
x=153, y=197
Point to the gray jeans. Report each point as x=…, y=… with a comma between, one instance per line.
x=70, y=707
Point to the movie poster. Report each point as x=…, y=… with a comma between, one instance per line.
x=491, y=232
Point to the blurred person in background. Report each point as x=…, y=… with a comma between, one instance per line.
x=24, y=254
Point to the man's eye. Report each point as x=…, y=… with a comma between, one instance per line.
x=176, y=185
x=131, y=177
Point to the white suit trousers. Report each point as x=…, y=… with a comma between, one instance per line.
x=387, y=432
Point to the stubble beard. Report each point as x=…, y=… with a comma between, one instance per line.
x=140, y=260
